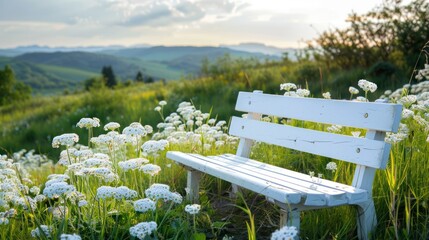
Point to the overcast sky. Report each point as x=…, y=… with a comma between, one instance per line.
x=282, y=23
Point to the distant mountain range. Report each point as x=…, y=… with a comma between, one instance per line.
x=51, y=70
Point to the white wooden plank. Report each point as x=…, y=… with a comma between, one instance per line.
x=193, y=185
x=354, y=195
x=361, y=151
x=281, y=194
x=370, y=115
x=312, y=196
x=245, y=146
x=364, y=175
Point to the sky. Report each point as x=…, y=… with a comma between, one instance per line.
x=70, y=23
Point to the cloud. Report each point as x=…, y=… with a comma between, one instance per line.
x=167, y=13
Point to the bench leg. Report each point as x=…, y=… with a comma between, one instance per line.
x=193, y=185
x=366, y=220
x=235, y=189
x=290, y=218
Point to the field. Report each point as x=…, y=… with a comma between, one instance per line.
x=100, y=184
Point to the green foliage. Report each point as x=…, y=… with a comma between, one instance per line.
x=94, y=83
x=390, y=32
x=139, y=77
x=109, y=76
x=11, y=90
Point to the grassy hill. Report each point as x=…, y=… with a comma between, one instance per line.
x=54, y=72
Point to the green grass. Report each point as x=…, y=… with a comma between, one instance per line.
x=401, y=192
x=68, y=73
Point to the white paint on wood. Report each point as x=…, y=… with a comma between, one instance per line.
x=245, y=146
x=354, y=195
x=367, y=115
x=280, y=193
x=193, y=186
x=366, y=220
x=361, y=151
x=289, y=218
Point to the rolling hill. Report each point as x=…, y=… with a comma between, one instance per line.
x=55, y=71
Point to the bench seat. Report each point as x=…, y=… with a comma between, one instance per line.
x=277, y=184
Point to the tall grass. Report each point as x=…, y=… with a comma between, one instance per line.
x=401, y=192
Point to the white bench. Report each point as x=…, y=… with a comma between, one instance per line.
x=293, y=191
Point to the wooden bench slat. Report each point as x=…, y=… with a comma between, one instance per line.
x=361, y=151
x=319, y=193
x=313, y=197
x=279, y=193
x=354, y=195
x=376, y=116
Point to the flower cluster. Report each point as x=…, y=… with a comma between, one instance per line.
x=112, y=126
x=367, y=85
x=57, y=189
x=193, y=209
x=119, y=193
x=162, y=191
x=88, y=123
x=152, y=147
x=143, y=229
x=135, y=130
x=191, y=126
x=298, y=93
x=70, y=237
x=423, y=73
x=144, y=205
x=4, y=216
x=150, y=169
x=42, y=231
x=284, y=233
x=132, y=164
x=66, y=139
x=331, y=166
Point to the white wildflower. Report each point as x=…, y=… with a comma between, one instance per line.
x=303, y=92
x=132, y=164
x=143, y=229
x=408, y=100
x=150, y=169
x=82, y=203
x=70, y=237
x=152, y=147
x=45, y=229
x=353, y=90
x=158, y=191
x=287, y=86
x=144, y=205
x=35, y=190
x=58, y=213
x=176, y=197
x=367, y=85
x=135, y=129
x=67, y=139
x=105, y=192
x=331, y=166
x=406, y=113
x=284, y=233
x=57, y=189
x=88, y=123
x=124, y=192
x=112, y=126
x=326, y=95
x=192, y=209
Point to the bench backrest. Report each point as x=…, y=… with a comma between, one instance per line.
x=369, y=152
